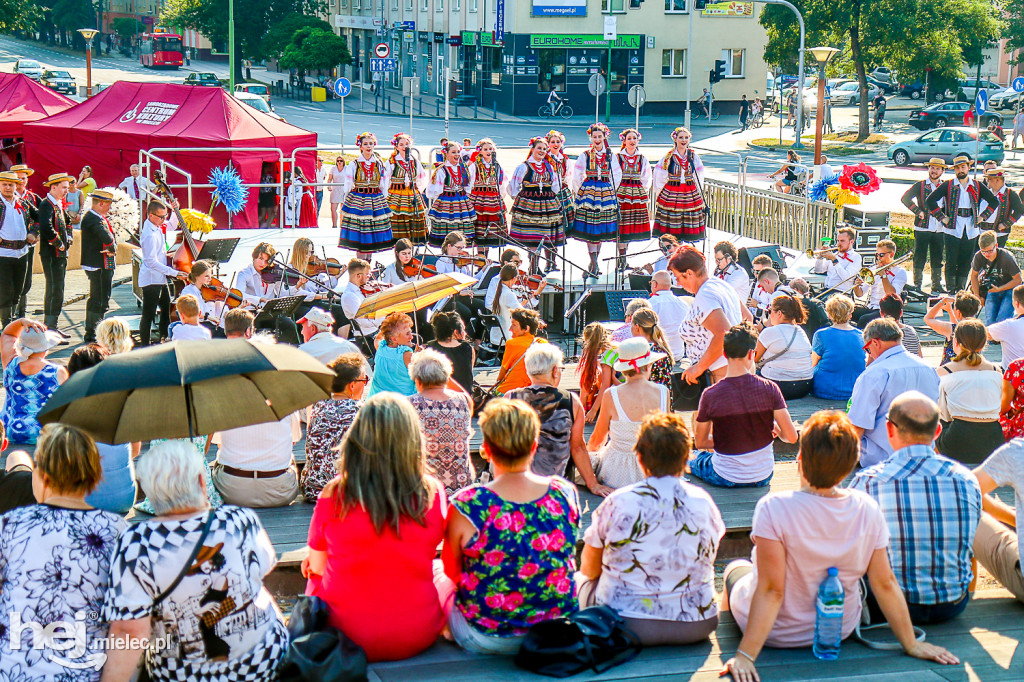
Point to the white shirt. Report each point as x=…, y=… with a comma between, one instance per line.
x=1010, y=333
x=795, y=363
x=713, y=295
x=390, y=276
x=260, y=447
x=841, y=269
x=671, y=310
x=210, y=309
x=325, y=347
x=252, y=286
x=190, y=332
x=971, y=394
x=13, y=229
x=898, y=279
x=507, y=302
x=447, y=264
x=959, y=226
x=130, y=184
x=736, y=277
x=154, y=268
x=351, y=299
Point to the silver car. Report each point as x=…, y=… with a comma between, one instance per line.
x=946, y=143
x=30, y=68
x=849, y=93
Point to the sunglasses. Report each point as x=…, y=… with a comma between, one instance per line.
x=361, y=380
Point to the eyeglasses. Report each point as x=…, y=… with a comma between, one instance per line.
x=989, y=250
x=868, y=344
x=158, y=216
x=361, y=380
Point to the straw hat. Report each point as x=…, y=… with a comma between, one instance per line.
x=961, y=158
x=8, y=176
x=102, y=195
x=938, y=163
x=635, y=353
x=34, y=341
x=57, y=177
x=997, y=171
x=22, y=168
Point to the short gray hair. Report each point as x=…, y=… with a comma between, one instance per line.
x=542, y=358
x=169, y=473
x=662, y=277
x=430, y=368
x=635, y=305
x=883, y=329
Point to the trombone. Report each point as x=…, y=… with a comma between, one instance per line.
x=866, y=275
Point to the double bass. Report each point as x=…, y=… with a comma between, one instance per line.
x=188, y=252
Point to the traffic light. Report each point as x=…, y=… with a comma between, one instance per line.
x=717, y=73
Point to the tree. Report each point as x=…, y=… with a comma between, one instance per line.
x=906, y=35
x=17, y=15
x=127, y=27
x=1013, y=29
x=314, y=49
x=280, y=36
x=71, y=15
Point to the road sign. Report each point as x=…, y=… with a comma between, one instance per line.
x=981, y=102
x=637, y=96
x=390, y=64
x=611, y=27
x=406, y=25
x=597, y=85
x=382, y=50
x=342, y=87
x=1018, y=84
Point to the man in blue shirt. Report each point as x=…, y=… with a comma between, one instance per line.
x=891, y=371
x=932, y=506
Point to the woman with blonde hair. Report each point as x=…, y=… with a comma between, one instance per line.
x=394, y=352
x=837, y=352
x=115, y=335
x=647, y=326
x=312, y=287
x=488, y=182
x=384, y=502
x=451, y=209
x=970, y=396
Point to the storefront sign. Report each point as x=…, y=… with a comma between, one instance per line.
x=729, y=9
x=567, y=8
x=348, y=21
x=574, y=42
x=499, y=21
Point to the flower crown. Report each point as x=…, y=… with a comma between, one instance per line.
x=554, y=133
x=678, y=130
x=398, y=136
x=627, y=131
x=361, y=136
x=598, y=126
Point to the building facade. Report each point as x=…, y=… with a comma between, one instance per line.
x=511, y=54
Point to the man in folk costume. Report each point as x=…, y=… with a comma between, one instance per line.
x=15, y=238
x=960, y=205
x=927, y=228
x=1011, y=208
x=56, y=235
x=98, y=249
x=30, y=202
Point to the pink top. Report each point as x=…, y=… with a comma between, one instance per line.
x=817, y=532
x=380, y=588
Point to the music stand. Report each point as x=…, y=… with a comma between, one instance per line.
x=218, y=250
x=280, y=306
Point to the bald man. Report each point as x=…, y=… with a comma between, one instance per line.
x=932, y=506
x=671, y=310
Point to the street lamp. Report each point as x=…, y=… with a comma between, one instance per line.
x=88, y=34
x=821, y=55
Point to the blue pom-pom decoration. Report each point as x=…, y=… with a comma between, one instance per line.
x=228, y=189
x=819, y=190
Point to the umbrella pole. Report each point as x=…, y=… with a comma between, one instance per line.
x=188, y=412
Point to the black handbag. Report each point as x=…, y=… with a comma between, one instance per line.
x=594, y=639
x=686, y=397
x=318, y=652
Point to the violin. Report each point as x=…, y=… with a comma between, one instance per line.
x=331, y=266
x=532, y=282
x=475, y=261
x=216, y=291
x=275, y=272
x=373, y=287
x=417, y=267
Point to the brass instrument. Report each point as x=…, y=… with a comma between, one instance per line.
x=867, y=275
x=811, y=253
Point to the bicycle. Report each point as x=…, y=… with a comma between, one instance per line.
x=757, y=120
x=701, y=111
x=558, y=108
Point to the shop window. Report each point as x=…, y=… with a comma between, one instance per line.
x=733, y=63
x=551, y=71
x=675, y=6
x=492, y=67
x=613, y=6
x=620, y=67
x=673, y=63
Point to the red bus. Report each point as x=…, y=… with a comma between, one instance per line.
x=161, y=50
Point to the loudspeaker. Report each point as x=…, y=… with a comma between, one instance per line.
x=748, y=253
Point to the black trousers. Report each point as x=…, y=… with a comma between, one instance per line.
x=284, y=328
x=153, y=296
x=29, y=262
x=13, y=273
x=1001, y=239
x=862, y=315
x=100, y=285
x=54, y=267
x=928, y=245
x=959, y=252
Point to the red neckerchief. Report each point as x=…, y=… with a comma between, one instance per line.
x=845, y=256
x=17, y=206
x=889, y=273
x=539, y=169
x=762, y=288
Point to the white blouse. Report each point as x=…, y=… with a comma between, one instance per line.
x=579, y=170
x=348, y=177
x=661, y=173
x=390, y=276
x=419, y=180
x=646, y=174
x=515, y=183
x=971, y=394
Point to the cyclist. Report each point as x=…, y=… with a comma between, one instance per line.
x=879, y=103
x=554, y=101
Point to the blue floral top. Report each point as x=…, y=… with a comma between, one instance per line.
x=518, y=568
x=390, y=372
x=26, y=396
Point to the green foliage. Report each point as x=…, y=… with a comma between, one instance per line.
x=17, y=15
x=126, y=27
x=903, y=237
x=71, y=15
x=280, y=35
x=312, y=49
x=1013, y=28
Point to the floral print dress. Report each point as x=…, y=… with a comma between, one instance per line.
x=518, y=568
x=328, y=424
x=1012, y=420
x=661, y=370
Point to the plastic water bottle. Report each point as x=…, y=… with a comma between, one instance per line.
x=828, y=623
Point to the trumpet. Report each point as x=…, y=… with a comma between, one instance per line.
x=867, y=275
x=811, y=253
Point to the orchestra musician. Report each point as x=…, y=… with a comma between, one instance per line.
x=155, y=268
x=455, y=258
x=891, y=280
x=727, y=268
x=667, y=243
x=317, y=289
x=395, y=274
x=211, y=313
x=257, y=291
x=508, y=256
x=841, y=265
x=99, y=246
x=769, y=287
x=363, y=329
x=506, y=299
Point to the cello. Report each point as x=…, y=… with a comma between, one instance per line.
x=188, y=252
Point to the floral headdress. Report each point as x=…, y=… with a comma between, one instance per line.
x=361, y=136
x=534, y=141
x=398, y=136
x=554, y=133
x=627, y=131
x=678, y=130
x=599, y=126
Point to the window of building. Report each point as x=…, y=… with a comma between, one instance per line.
x=474, y=5
x=457, y=5
x=426, y=5
x=551, y=71
x=492, y=67
x=613, y=6
x=733, y=63
x=620, y=67
x=344, y=4
x=440, y=6
x=675, y=6
x=673, y=63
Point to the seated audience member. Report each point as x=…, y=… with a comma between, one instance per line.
x=1011, y=408
x=626, y=330
x=595, y=341
x=816, y=317
x=29, y=378
x=524, y=327
x=970, y=394
x=613, y=443
x=931, y=561
x=318, y=340
x=56, y=559
x=446, y=417
x=1010, y=333
x=561, y=418
x=891, y=371
x=647, y=326
x=798, y=535
x=450, y=341
x=189, y=328
x=114, y=334
x=1001, y=274
x=384, y=502
x=737, y=419
x=255, y=466
x=996, y=543
x=16, y=478
x=837, y=352
x=510, y=544
x=394, y=351
x=238, y=324
x=891, y=307
x=664, y=602
x=329, y=421
x=965, y=305
x=783, y=351
x=223, y=586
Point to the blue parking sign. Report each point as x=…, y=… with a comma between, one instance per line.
x=342, y=87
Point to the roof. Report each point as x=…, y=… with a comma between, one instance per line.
x=23, y=100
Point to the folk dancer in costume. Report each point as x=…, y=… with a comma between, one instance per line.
x=1011, y=208
x=55, y=235
x=726, y=268
x=300, y=205
x=927, y=228
x=453, y=253
x=594, y=179
x=679, y=203
x=364, y=329
x=99, y=246
x=892, y=280
x=487, y=183
x=448, y=191
x=841, y=265
x=256, y=291
x=155, y=268
x=405, y=193
x=15, y=238
x=960, y=205
x=365, y=216
x=30, y=202
x=536, y=214
x=560, y=162
x=635, y=178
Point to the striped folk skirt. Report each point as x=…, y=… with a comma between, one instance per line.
x=568, y=203
x=536, y=217
x=408, y=214
x=679, y=211
x=597, y=212
x=450, y=212
x=491, y=224
x=634, y=213
x=366, y=221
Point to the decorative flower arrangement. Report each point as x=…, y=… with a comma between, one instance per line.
x=124, y=215
x=197, y=221
x=860, y=179
x=819, y=190
x=840, y=196
x=228, y=189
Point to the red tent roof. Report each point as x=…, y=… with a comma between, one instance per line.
x=23, y=100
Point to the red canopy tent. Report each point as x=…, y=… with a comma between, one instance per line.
x=22, y=100
x=108, y=131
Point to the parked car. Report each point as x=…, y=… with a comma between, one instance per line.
x=849, y=93
x=205, y=79
x=967, y=90
x=942, y=114
x=885, y=86
x=946, y=144
x=30, y=68
x=254, y=89
x=61, y=81
x=258, y=103
x=913, y=90
x=882, y=74
x=1004, y=99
